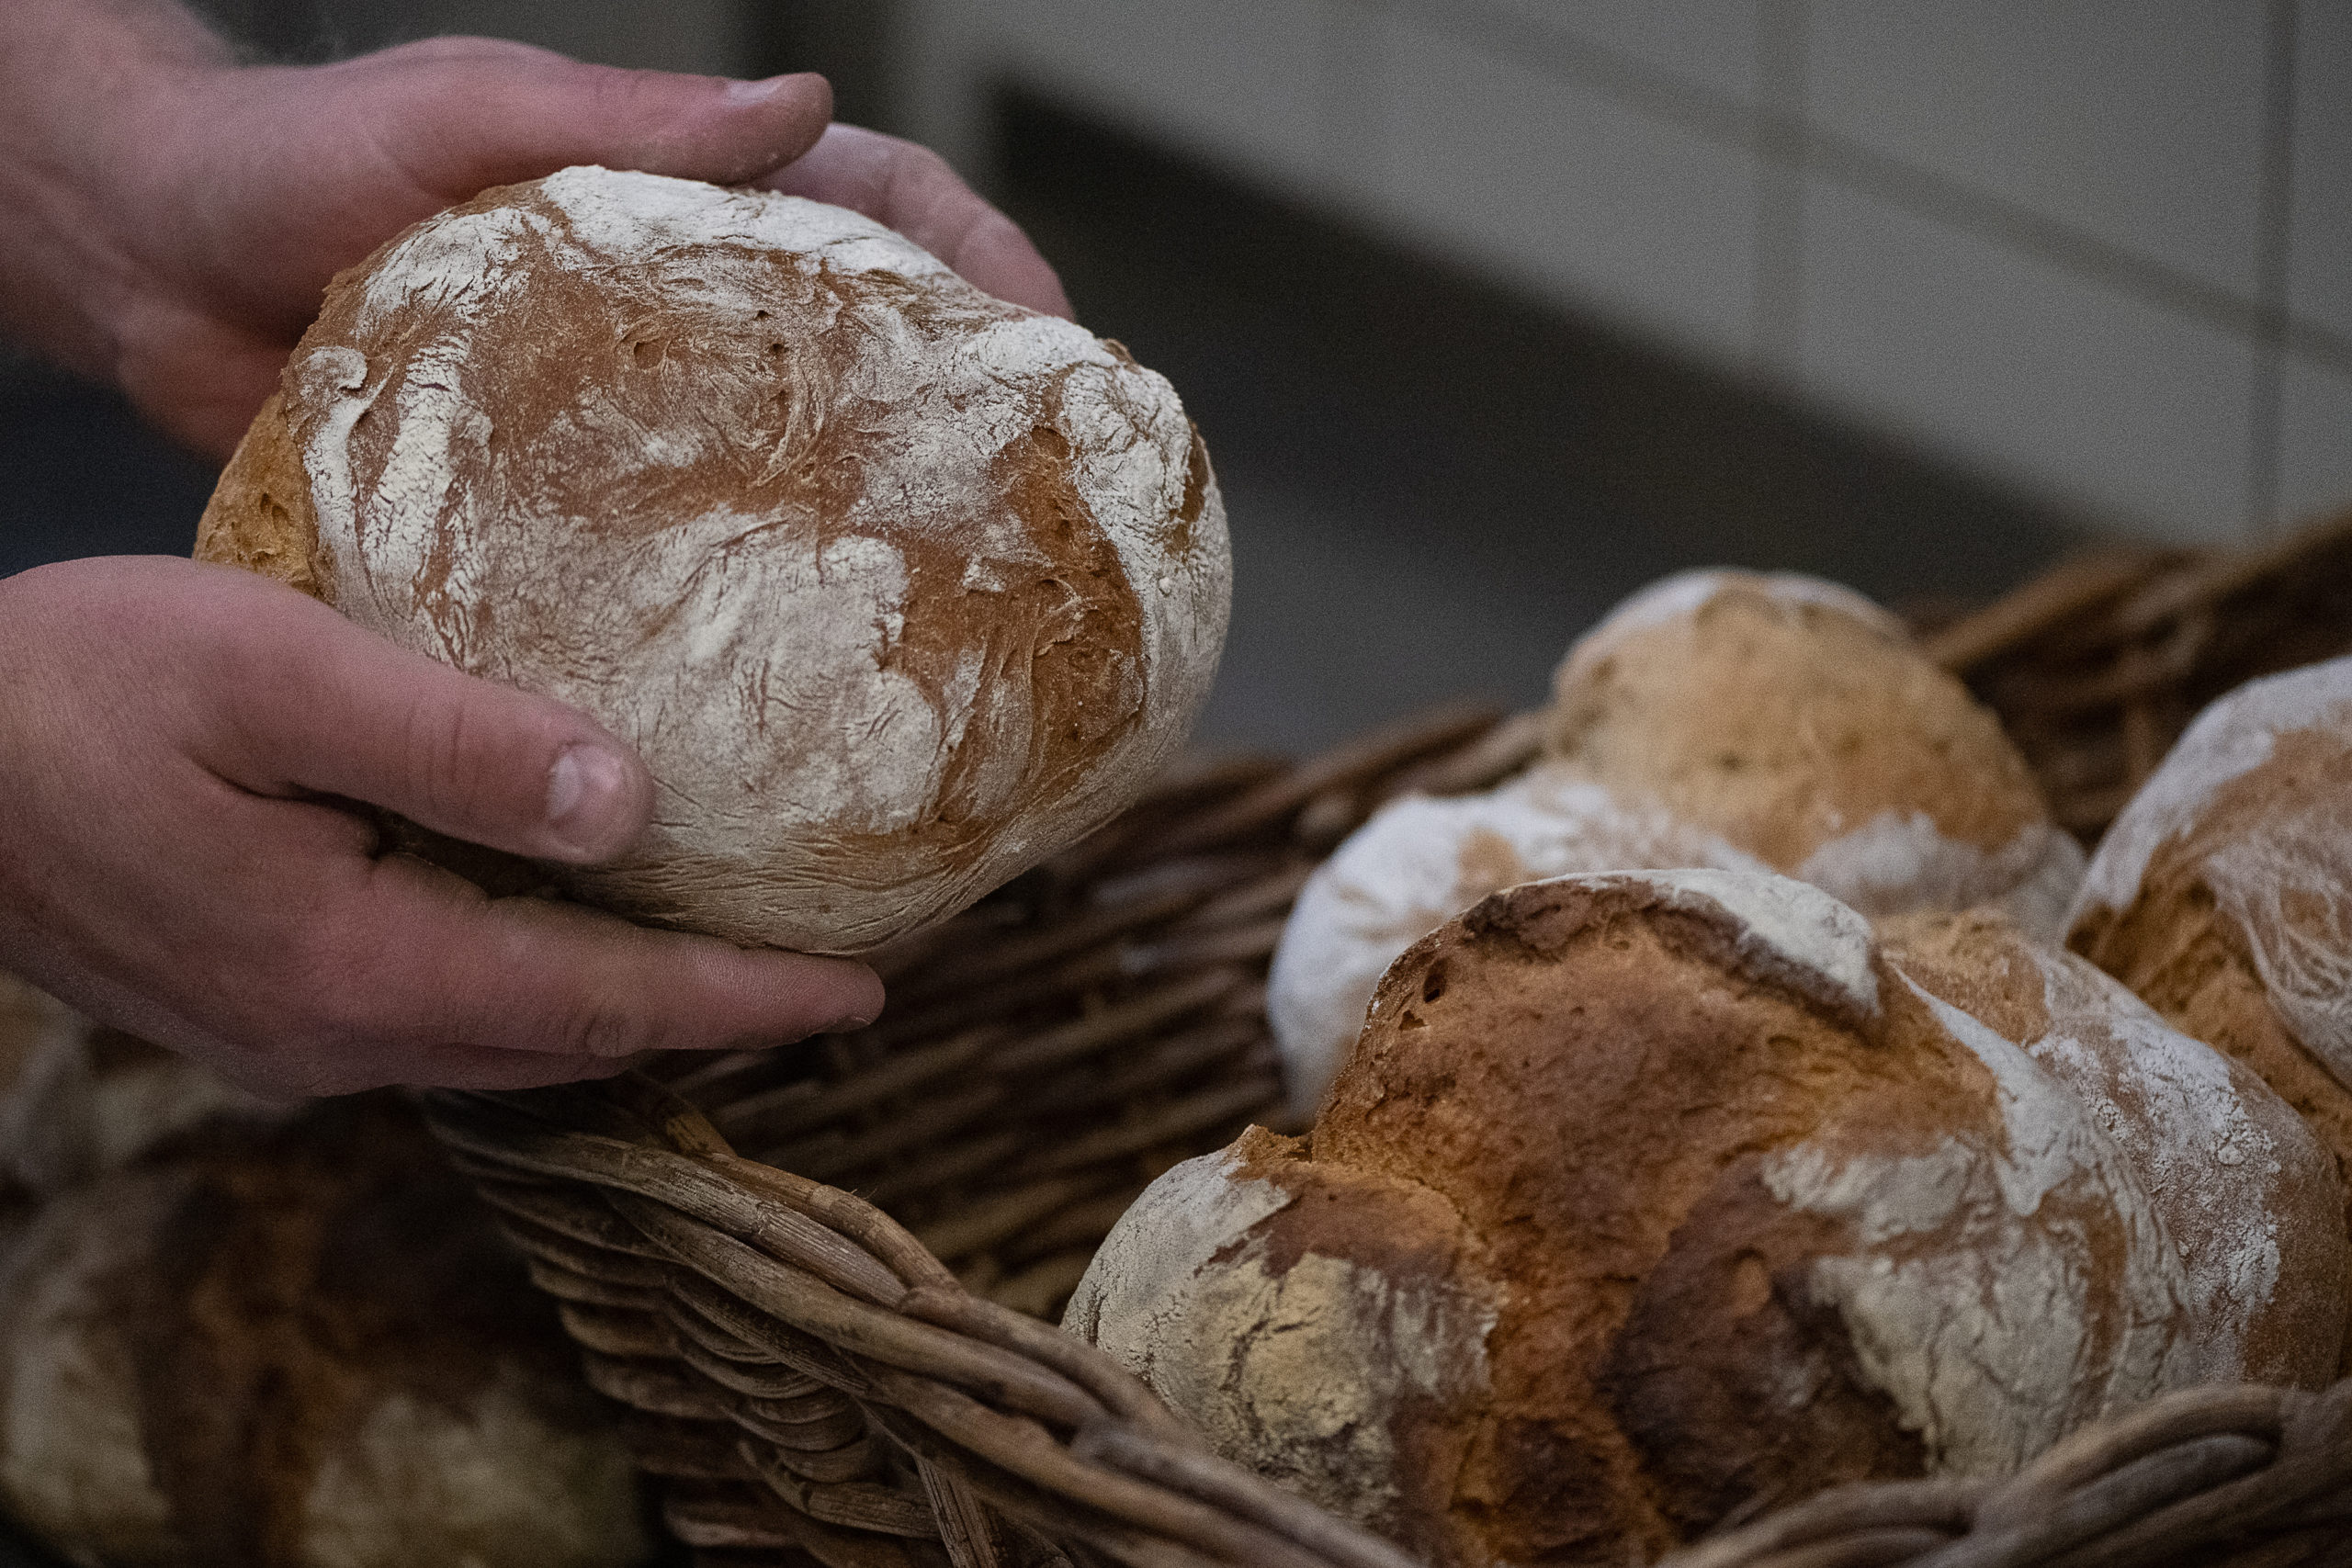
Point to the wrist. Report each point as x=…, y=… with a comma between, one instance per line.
x=82, y=83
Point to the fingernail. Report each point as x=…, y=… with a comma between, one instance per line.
x=755, y=92
x=848, y=1023
x=588, y=799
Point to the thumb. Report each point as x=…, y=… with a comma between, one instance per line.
x=312, y=703
x=462, y=114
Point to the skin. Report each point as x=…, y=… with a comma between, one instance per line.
x=179, y=742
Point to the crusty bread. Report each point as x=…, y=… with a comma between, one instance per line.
x=2248, y=1194
x=897, y=587
x=1799, y=722
x=2222, y=895
x=1419, y=862
x=298, y=1342
x=1716, y=719
x=1648, y=1196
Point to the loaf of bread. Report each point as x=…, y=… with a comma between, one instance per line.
x=897, y=587
x=1717, y=718
x=298, y=1344
x=2222, y=895
x=2250, y=1196
x=1798, y=720
x=1419, y=862
x=1648, y=1196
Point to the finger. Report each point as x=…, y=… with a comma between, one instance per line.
x=911, y=188
x=462, y=114
x=471, y=1067
x=309, y=703
x=411, y=957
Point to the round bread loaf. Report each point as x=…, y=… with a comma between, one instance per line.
x=896, y=587
x=1646, y=1198
x=1716, y=719
x=1419, y=862
x=1798, y=721
x=297, y=1345
x=2222, y=895
x=2249, y=1195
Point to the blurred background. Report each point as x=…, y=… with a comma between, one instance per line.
x=1493, y=310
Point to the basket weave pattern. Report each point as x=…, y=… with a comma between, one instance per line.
x=866, y=1380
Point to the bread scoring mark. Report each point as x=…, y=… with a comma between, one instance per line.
x=1788, y=930
x=2001, y=1292
x=886, y=481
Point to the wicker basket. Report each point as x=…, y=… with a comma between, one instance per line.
x=872, y=1381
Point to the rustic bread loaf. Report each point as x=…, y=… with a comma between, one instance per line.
x=1647, y=1197
x=896, y=587
x=1419, y=862
x=1716, y=719
x=1798, y=720
x=2249, y=1195
x=298, y=1344
x=2222, y=895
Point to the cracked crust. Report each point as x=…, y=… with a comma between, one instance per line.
x=2246, y=1188
x=897, y=587
x=2222, y=896
x=1750, y=1214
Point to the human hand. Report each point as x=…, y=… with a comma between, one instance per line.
x=172, y=739
x=190, y=212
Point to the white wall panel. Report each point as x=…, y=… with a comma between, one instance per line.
x=1589, y=202
x=2314, y=442
x=2035, y=374
x=1709, y=43
x=2141, y=124
x=2319, y=257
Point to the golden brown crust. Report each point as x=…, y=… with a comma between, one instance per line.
x=895, y=587
x=1590, y=1095
x=2164, y=1109
x=260, y=515
x=1783, y=723
x=2183, y=953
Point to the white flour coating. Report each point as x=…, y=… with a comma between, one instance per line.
x=417, y=1481
x=1297, y=1375
x=1675, y=598
x=2220, y=1155
x=1787, y=930
x=2232, y=738
x=2286, y=885
x=72, y=1465
x=1895, y=862
x=2285, y=881
x=755, y=666
x=1984, y=1298
x=1418, y=863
